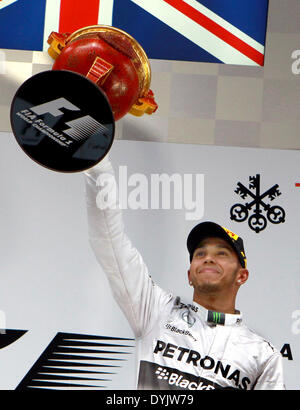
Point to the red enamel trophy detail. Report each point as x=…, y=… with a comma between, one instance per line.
x=113, y=60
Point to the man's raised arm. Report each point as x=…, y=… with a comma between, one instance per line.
x=127, y=273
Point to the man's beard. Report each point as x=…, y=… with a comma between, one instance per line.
x=208, y=287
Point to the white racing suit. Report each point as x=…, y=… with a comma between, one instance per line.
x=179, y=345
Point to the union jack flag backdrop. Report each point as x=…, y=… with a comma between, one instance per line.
x=218, y=31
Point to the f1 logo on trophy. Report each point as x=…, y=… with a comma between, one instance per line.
x=64, y=119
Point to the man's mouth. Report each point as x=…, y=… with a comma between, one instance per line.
x=208, y=270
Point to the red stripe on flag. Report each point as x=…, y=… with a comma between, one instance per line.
x=217, y=30
x=297, y=184
x=75, y=14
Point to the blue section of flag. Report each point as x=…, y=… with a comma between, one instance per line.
x=249, y=16
x=22, y=25
x=157, y=39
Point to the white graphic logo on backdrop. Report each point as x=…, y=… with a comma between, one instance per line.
x=160, y=191
x=5, y=3
x=296, y=64
x=2, y=62
x=296, y=322
x=2, y=323
x=257, y=205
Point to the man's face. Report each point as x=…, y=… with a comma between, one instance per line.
x=215, y=267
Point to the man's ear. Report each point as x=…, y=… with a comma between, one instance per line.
x=242, y=276
x=189, y=277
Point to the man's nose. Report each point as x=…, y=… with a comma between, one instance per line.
x=209, y=258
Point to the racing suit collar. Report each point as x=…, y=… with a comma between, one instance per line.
x=217, y=318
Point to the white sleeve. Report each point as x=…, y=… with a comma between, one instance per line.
x=272, y=375
x=139, y=298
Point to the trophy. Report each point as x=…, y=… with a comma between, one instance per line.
x=64, y=118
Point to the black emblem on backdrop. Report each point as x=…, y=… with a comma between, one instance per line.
x=77, y=361
x=9, y=336
x=257, y=205
x=286, y=351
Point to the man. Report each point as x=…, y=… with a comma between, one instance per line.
x=201, y=345
x=218, y=266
